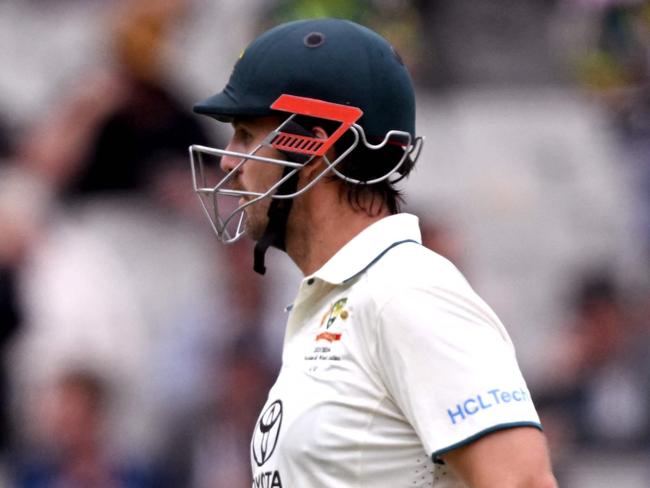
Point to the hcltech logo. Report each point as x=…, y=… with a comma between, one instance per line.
x=267, y=432
x=492, y=398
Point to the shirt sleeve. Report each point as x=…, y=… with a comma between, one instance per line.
x=450, y=366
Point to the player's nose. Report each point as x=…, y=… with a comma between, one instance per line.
x=228, y=163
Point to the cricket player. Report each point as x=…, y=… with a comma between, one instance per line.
x=395, y=373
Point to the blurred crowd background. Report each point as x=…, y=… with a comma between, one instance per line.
x=136, y=350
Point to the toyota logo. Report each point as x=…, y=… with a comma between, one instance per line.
x=267, y=432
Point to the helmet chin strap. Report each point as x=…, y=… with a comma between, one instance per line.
x=276, y=228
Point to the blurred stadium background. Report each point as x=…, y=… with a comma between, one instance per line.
x=136, y=348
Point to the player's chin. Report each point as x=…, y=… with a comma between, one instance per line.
x=255, y=229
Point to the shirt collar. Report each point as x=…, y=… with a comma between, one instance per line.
x=368, y=246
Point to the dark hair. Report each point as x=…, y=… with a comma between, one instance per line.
x=92, y=385
x=365, y=164
x=596, y=288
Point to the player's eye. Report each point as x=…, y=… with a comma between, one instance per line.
x=243, y=136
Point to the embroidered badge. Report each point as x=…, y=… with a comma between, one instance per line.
x=336, y=311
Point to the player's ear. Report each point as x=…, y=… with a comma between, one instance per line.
x=316, y=165
x=319, y=132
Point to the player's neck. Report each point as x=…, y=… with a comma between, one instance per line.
x=321, y=225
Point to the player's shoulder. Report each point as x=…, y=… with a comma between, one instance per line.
x=411, y=269
x=413, y=265
x=412, y=277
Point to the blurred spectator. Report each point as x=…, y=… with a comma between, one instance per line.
x=618, y=55
x=116, y=283
x=209, y=445
x=247, y=293
x=504, y=43
x=397, y=20
x=597, y=395
x=120, y=126
x=70, y=450
x=222, y=450
x=285, y=10
x=211, y=448
x=5, y=143
x=10, y=319
x=615, y=69
x=22, y=201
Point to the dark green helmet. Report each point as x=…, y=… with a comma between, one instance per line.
x=333, y=60
x=327, y=69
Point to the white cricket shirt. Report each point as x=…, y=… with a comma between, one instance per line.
x=390, y=360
